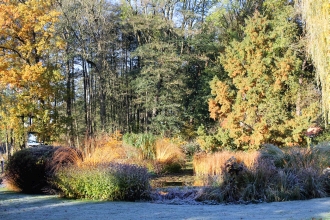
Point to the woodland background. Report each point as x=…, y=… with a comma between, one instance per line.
x=228, y=74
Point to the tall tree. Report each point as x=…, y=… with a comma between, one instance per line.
x=204, y=44
x=158, y=84
x=257, y=104
x=27, y=64
x=92, y=34
x=316, y=15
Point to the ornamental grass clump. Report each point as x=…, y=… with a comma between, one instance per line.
x=144, y=142
x=212, y=164
x=112, y=182
x=169, y=155
x=277, y=175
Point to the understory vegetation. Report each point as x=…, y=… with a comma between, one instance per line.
x=269, y=174
x=272, y=175
x=234, y=91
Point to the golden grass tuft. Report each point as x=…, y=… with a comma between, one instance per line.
x=168, y=151
x=212, y=164
x=106, y=149
x=169, y=156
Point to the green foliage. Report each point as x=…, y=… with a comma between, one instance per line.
x=144, y=141
x=323, y=137
x=206, y=141
x=191, y=148
x=104, y=182
x=174, y=167
x=159, y=86
x=216, y=141
x=316, y=20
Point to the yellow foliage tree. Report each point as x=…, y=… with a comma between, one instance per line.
x=316, y=14
x=27, y=68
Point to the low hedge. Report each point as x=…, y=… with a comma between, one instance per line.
x=104, y=182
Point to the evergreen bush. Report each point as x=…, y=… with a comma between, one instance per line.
x=26, y=169
x=29, y=170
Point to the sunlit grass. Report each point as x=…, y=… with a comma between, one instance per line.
x=212, y=164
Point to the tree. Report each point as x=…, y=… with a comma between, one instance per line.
x=316, y=15
x=27, y=66
x=158, y=80
x=257, y=103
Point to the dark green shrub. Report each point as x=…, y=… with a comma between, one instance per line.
x=26, y=169
x=104, y=182
x=190, y=149
x=29, y=170
x=174, y=167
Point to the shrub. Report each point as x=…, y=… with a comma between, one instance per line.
x=30, y=169
x=26, y=169
x=104, y=182
x=190, y=149
x=207, y=142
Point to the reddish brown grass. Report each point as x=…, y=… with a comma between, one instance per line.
x=64, y=156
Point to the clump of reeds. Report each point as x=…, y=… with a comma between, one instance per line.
x=107, y=148
x=275, y=175
x=169, y=154
x=145, y=142
x=212, y=164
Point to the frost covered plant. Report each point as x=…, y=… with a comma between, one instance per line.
x=104, y=182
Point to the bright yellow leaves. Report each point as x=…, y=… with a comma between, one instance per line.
x=28, y=46
x=27, y=37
